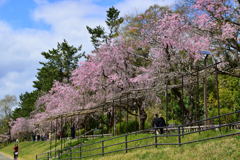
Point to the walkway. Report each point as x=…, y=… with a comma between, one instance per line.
x=4, y=158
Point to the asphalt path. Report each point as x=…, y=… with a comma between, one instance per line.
x=4, y=158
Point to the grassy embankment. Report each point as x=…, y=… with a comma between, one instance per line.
x=224, y=148
x=28, y=149
x=219, y=149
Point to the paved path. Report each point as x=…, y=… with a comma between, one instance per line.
x=4, y=158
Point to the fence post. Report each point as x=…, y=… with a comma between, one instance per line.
x=58, y=154
x=183, y=131
x=155, y=137
x=217, y=92
x=36, y=157
x=126, y=143
x=179, y=136
x=48, y=155
x=199, y=128
x=71, y=153
x=103, y=148
x=80, y=151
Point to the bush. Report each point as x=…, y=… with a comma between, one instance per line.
x=125, y=127
x=224, y=119
x=148, y=125
x=172, y=122
x=80, y=131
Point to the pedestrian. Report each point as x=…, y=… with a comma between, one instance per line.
x=73, y=132
x=38, y=137
x=155, y=123
x=158, y=124
x=162, y=124
x=33, y=137
x=15, y=152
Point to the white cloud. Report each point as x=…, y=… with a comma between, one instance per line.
x=68, y=19
x=20, y=49
x=13, y=83
x=138, y=6
x=20, y=53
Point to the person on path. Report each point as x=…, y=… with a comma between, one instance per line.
x=158, y=124
x=15, y=152
x=162, y=124
x=155, y=123
x=73, y=132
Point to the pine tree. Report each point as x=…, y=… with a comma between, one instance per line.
x=58, y=66
x=98, y=34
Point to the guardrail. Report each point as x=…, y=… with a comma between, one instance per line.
x=53, y=153
x=176, y=135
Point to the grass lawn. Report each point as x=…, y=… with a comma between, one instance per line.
x=27, y=150
x=226, y=145
x=218, y=149
x=224, y=148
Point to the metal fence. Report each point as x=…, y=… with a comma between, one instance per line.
x=217, y=127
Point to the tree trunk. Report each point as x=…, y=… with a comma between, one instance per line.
x=181, y=104
x=142, y=115
x=205, y=98
x=142, y=118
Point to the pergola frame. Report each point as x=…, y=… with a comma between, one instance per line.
x=127, y=97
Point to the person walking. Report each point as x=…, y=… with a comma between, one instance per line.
x=158, y=124
x=162, y=124
x=155, y=123
x=73, y=132
x=15, y=151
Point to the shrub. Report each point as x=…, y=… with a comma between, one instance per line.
x=125, y=127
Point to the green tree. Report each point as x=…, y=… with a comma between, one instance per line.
x=26, y=104
x=113, y=22
x=99, y=35
x=59, y=64
x=229, y=95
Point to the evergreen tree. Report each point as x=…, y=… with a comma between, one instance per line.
x=113, y=22
x=99, y=35
x=26, y=104
x=58, y=66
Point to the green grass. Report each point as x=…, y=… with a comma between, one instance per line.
x=218, y=149
x=29, y=149
x=224, y=148
x=147, y=141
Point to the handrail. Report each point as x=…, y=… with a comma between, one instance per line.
x=100, y=150
x=217, y=126
x=207, y=119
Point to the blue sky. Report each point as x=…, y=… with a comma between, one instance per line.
x=28, y=27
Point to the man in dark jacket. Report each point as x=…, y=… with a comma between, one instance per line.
x=73, y=132
x=158, y=123
x=155, y=121
x=162, y=124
